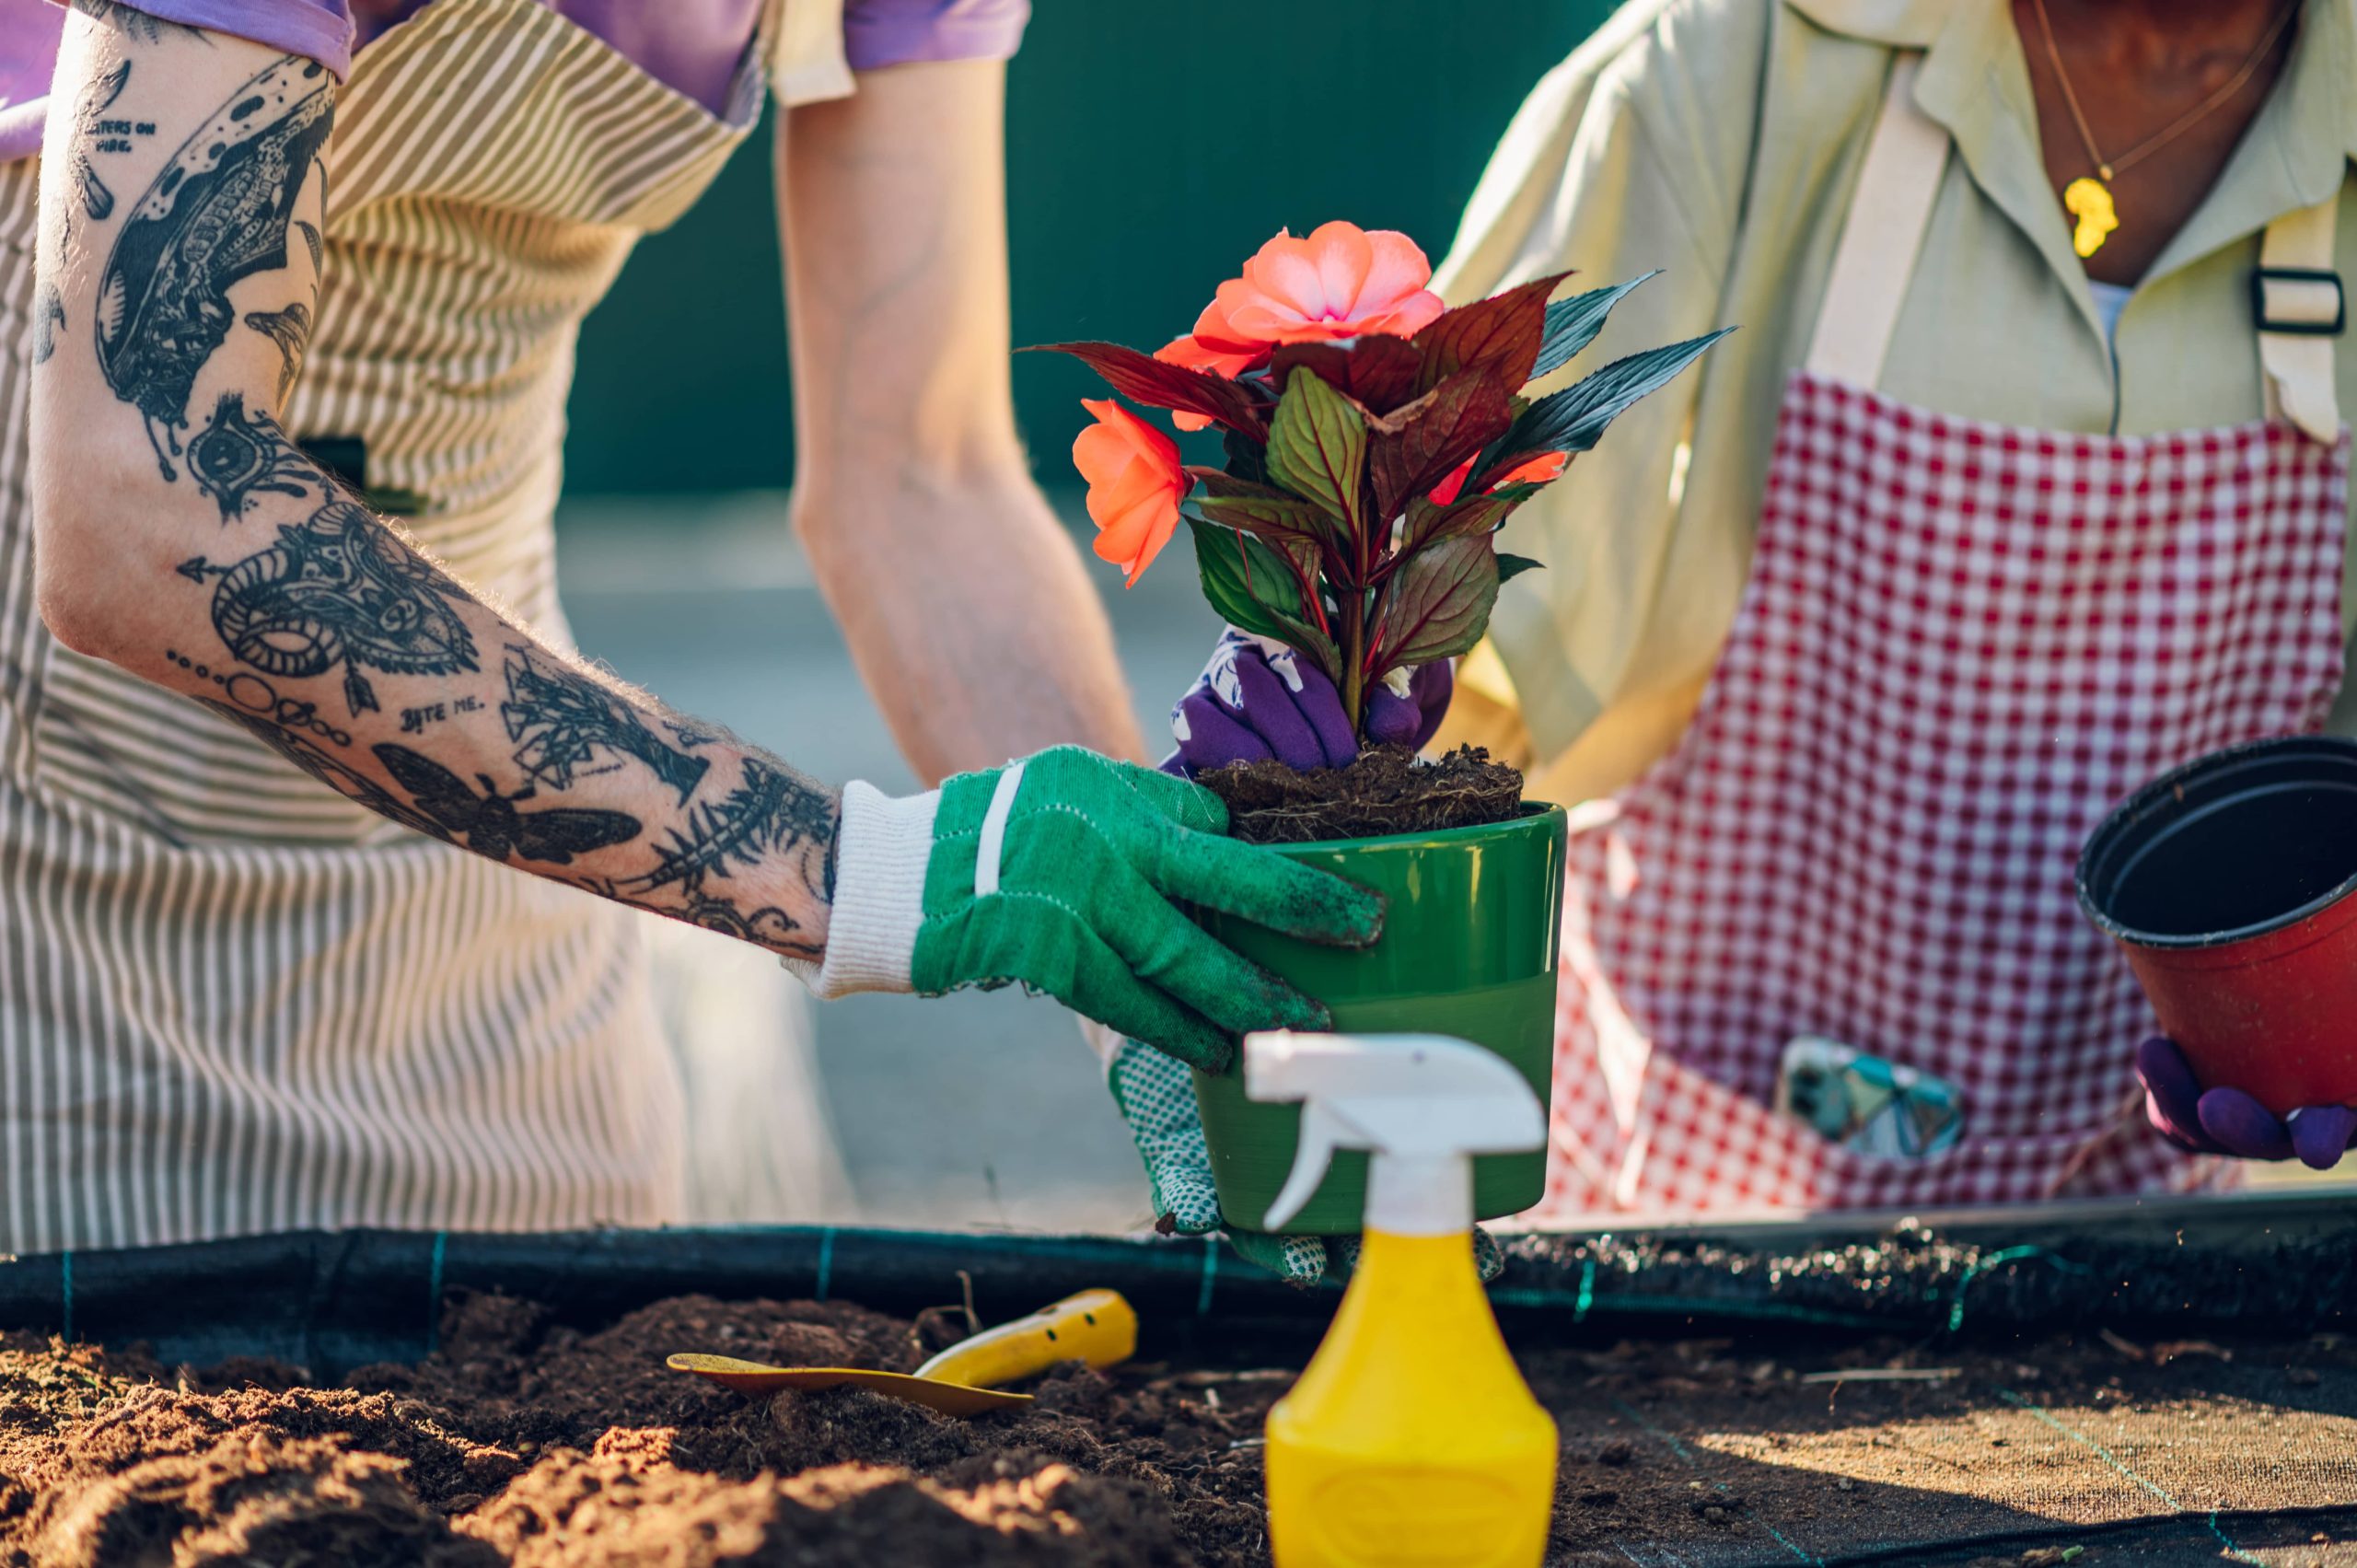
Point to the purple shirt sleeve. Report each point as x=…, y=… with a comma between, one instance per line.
x=692, y=45
x=902, y=32
x=318, y=30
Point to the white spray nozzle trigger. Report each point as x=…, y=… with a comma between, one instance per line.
x=1421, y=1105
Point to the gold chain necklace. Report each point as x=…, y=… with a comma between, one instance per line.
x=2088, y=198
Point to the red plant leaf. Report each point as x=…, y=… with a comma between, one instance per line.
x=1500, y=334
x=1219, y=481
x=1436, y=606
x=1414, y=449
x=1379, y=370
x=1160, y=384
x=1275, y=519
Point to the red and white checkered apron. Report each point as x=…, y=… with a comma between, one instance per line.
x=1961, y=643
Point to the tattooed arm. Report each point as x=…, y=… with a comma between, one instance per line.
x=893, y=207
x=184, y=536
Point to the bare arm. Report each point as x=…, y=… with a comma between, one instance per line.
x=182, y=536
x=970, y=611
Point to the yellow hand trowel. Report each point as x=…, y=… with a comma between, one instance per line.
x=1096, y=1326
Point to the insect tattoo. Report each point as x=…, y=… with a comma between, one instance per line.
x=490, y=824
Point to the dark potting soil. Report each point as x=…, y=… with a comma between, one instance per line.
x=1384, y=790
x=525, y=1442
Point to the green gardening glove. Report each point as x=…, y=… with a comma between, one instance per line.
x=1156, y=1096
x=1063, y=873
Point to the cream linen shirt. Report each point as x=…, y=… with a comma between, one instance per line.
x=1719, y=140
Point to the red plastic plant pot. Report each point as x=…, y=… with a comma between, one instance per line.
x=2227, y=882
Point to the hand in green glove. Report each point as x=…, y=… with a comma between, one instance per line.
x=1156, y=1096
x=1062, y=873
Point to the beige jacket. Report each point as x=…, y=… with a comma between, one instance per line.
x=1719, y=141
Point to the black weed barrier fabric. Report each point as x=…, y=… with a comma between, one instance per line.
x=332, y=1300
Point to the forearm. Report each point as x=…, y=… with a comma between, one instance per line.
x=971, y=617
x=969, y=610
x=184, y=536
x=332, y=637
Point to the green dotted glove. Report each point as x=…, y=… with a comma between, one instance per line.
x=1156, y=1096
x=1063, y=873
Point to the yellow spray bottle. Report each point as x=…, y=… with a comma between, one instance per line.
x=1412, y=1439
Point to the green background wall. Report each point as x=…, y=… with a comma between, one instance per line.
x=1152, y=145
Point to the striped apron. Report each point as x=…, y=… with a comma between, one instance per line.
x=231, y=1001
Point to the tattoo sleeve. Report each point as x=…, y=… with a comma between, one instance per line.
x=179, y=288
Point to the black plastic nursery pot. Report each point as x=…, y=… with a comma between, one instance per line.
x=1471, y=921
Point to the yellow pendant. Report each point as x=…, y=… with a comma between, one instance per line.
x=2087, y=200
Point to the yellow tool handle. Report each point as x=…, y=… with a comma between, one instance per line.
x=1094, y=1326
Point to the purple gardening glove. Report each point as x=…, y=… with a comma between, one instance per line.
x=1258, y=700
x=2229, y=1122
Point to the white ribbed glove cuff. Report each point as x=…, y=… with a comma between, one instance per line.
x=881, y=848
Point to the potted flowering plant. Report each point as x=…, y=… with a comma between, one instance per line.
x=1374, y=443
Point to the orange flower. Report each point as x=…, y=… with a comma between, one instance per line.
x=1339, y=283
x=1543, y=469
x=1135, y=485
x=1225, y=363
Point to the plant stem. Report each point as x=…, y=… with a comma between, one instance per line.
x=1354, y=641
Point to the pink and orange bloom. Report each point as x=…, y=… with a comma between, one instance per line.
x=1135, y=485
x=1342, y=282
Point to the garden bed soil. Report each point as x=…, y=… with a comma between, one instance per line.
x=524, y=1441
x=1385, y=789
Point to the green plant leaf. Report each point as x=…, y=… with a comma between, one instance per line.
x=1513, y=566
x=1317, y=444
x=1157, y=384
x=1253, y=586
x=1572, y=324
x=1379, y=370
x=1500, y=336
x=1437, y=604
x=1572, y=420
x=1415, y=448
x=1467, y=515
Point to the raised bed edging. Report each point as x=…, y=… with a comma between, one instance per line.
x=332, y=1300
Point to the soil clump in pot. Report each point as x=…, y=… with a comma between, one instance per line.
x=1385, y=789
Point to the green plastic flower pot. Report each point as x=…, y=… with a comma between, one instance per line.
x=1470, y=922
